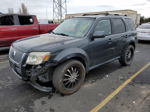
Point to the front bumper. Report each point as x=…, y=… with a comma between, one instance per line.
x=20, y=72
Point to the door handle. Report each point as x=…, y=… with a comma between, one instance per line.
x=34, y=28
x=109, y=41
x=125, y=36
x=13, y=29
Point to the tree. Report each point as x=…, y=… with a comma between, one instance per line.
x=10, y=10
x=23, y=9
x=144, y=20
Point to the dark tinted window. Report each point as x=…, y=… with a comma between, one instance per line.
x=104, y=25
x=6, y=20
x=118, y=26
x=130, y=24
x=26, y=20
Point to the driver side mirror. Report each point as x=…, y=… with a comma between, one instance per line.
x=99, y=34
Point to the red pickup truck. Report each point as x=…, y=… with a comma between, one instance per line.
x=14, y=27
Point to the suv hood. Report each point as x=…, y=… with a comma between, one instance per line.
x=45, y=42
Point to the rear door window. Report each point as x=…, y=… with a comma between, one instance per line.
x=26, y=20
x=118, y=26
x=7, y=21
x=130, y=24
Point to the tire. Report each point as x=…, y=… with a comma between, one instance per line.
x=127, y=57
x=68, y=77
x=50, y=31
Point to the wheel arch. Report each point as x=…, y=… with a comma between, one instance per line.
x=76, y=54
x=133, y=44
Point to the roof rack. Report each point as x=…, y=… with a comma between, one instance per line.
x=107, y=13
x=96, y=14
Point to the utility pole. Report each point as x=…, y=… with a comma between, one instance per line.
x=59, y=10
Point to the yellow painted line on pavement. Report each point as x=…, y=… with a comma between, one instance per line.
x=114, y=93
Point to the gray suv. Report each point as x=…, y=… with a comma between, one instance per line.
x=78, y=45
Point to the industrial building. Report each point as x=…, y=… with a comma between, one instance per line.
x=131, y=13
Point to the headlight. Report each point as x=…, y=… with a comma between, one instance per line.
x=36, y=58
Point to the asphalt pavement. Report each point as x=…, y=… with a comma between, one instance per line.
x=100, y=83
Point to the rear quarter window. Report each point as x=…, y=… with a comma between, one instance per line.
x=130, y=24
x=118, y=26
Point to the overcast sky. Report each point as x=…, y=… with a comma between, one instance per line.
x=43, y=8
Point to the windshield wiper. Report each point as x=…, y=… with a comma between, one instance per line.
x=63, y=34
x=53, y=32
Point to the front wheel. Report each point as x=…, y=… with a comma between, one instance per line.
x=68, y=77
x=127, y=57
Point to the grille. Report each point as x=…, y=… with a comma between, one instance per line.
x=15, y=55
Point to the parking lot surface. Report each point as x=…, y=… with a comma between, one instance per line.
x=18, y=96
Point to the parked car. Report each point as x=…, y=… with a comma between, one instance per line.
x=74, y=48
x=14, y=27
x=143, y=32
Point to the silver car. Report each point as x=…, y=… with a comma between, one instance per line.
x=143, y=32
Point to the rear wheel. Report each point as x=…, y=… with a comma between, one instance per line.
x=69, y=76
x=127, y=57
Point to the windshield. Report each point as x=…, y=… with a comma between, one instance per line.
x=145, y=26
x=76, y=27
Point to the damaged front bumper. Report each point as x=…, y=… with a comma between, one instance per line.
x=38, y=76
